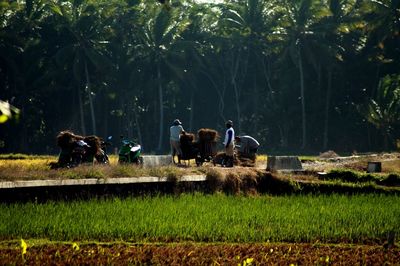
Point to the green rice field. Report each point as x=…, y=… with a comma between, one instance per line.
x=207, y=218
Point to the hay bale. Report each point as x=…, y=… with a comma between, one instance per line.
x=206, y=135
x=328, y=154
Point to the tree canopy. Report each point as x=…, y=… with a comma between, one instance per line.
x=298, y=75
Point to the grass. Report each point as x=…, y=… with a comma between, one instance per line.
x=360, y=177
x=37, y=167
x=210, y=218
x=21, y=156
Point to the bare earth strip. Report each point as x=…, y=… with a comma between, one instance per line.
x=200, y=254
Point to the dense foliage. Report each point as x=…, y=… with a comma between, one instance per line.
x=304, y=74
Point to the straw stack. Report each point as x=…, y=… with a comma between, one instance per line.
x=66, y=139
x=187, y=138
x=207, y=135
x=94, y=143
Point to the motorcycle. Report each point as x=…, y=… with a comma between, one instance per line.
x=79, y=152
x=130, y=152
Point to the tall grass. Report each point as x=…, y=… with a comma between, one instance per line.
x=198, y=217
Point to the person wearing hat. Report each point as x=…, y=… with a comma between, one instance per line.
x=175, y=131
x=229, y=144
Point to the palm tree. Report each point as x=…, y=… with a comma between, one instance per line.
x=80, y=53
x=332, y=30
x=301, y=37
x=244, y=26
x=383, y=35
x=161, y=43
x=383, y=111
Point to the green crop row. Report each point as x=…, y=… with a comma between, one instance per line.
x=198, y=217
x=358, y=177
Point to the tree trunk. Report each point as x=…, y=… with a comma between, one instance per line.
x=303, y=103
x=161, y=105
x=137, y=125
x=283, y=132
x=104, y=119
x=92, y=114
x=327, y=107
x=220, y=94
x=191, y=111
x=82, y=114
x=234, y=71
x=267, y=79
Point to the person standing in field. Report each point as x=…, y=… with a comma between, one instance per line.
x=229, y=144
x=175, y=132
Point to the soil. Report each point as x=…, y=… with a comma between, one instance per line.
x=355, y=162
x=201, y=254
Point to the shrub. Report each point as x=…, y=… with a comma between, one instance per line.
x=390, y=180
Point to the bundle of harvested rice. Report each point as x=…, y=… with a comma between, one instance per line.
x=207, y=134
x=94, y=144
x=66, y=138
x=221, y=156
x=187, y=137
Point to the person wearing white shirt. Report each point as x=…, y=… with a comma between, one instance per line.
x=175, y=132
x=229, y=144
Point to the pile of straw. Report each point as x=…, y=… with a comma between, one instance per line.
x=187, y=137
x=65, y=139
x=206, y=135
x=95, y=144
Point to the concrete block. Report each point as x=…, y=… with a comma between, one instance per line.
x=156, y=160
x=283, y=163
x=374, y=167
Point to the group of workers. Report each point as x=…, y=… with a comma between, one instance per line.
x=246, y=145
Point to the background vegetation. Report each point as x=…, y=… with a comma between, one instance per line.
x=298, y=75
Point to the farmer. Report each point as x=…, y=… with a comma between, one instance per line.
x=247, y=146
x=229, y=144
x=175, y=131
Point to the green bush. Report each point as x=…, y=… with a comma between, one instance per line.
x=390, y=180
x=350, y=176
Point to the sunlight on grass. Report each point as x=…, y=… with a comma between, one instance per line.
x=391, y=166
x=38, y=167
x=200, y=217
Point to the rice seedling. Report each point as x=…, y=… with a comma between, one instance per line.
x=210, y=218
